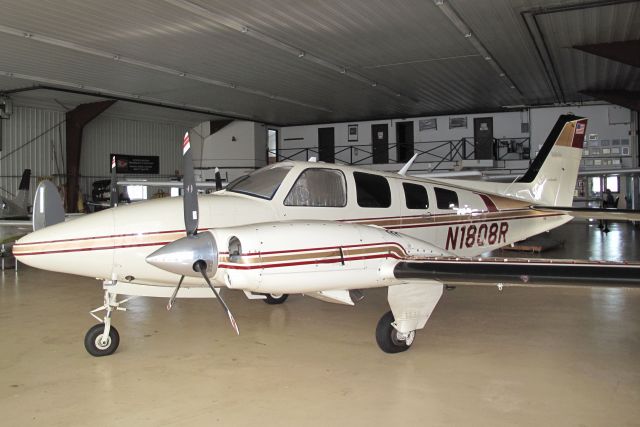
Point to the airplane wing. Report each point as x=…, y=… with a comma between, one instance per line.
x=595, y=213
x=523, y=271
x=201, y=184
x=12, y=230
x=15, y=223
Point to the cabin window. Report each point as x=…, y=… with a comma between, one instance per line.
x=415, y=196
x=372, y=191
x=262, y=183
x=446, y=199
x=320, y=188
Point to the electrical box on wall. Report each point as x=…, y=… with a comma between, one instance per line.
x=6, y=107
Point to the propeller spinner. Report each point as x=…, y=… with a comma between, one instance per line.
x=195, y=254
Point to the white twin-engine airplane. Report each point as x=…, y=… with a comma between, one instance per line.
x=326, y=231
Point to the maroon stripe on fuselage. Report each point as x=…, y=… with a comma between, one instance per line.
x=310, y=262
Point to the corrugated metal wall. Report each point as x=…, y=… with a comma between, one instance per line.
x=34, y=137
x=31, y=138
x=106, y=135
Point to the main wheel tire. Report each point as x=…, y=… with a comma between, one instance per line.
x=388, y=338
x=93, y=341
x=276, y=298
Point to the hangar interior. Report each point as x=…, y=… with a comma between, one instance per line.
x=467, y=87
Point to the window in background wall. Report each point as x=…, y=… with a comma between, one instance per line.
x=137, y=192
x=613, y=184
x=595, y=185
x=272, y=145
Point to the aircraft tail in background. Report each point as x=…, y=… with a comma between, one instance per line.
x=18, y=207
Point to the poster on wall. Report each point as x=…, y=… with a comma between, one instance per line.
x=125, y=163
x=457, y=122
x=428, y=124
x=353, y=133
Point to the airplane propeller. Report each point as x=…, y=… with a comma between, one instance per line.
x=113, y=199
x=195, y=254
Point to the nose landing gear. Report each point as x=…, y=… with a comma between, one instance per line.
x=103, y=339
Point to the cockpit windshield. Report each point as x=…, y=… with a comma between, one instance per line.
x=262, y=183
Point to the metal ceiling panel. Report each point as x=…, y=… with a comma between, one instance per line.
x=299, y=61
x=577, y=70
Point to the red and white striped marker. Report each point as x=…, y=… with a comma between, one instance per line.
x=185, y=143
x=113, y=162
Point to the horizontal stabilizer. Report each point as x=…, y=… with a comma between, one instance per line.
x=595, y=213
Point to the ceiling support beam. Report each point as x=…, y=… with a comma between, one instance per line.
x=623, y=98
x=4, y=29
x=464, y=29
x=286, y=47
x=627, y=52
x=141, y=101
x=76, y=120
x=539, y=41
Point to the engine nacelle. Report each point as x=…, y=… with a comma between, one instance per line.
x=311, y=256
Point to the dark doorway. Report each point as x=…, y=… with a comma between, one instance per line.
x=483, y=138
x=326, y=145
x=404, y=141
x=380, y=143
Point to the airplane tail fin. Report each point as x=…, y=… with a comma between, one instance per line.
x=22, y=197
x=551, y=178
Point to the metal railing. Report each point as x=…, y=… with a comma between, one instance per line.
x=436, y=152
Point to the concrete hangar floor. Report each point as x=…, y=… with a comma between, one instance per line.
x=523, y=356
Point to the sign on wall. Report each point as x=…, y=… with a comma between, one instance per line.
x=428, y=124
x=136, y=164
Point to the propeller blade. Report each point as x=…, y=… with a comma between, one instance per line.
x=175, y=293
x=113, y=200
x=190, y=196
x=218, y=180
x=201, y=267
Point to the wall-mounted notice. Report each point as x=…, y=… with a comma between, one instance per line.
x=136, y=164
x=427, y=124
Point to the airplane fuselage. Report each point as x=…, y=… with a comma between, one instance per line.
x=113, y=244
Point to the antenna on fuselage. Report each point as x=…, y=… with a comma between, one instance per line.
x=407, y=165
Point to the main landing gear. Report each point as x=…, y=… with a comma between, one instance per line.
x=103, y=339
x=389, y=339
x=276, y=298
x=411, y=306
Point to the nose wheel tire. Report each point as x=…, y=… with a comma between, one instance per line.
x=276, y=298
x=389, y=339
x=95, y=343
